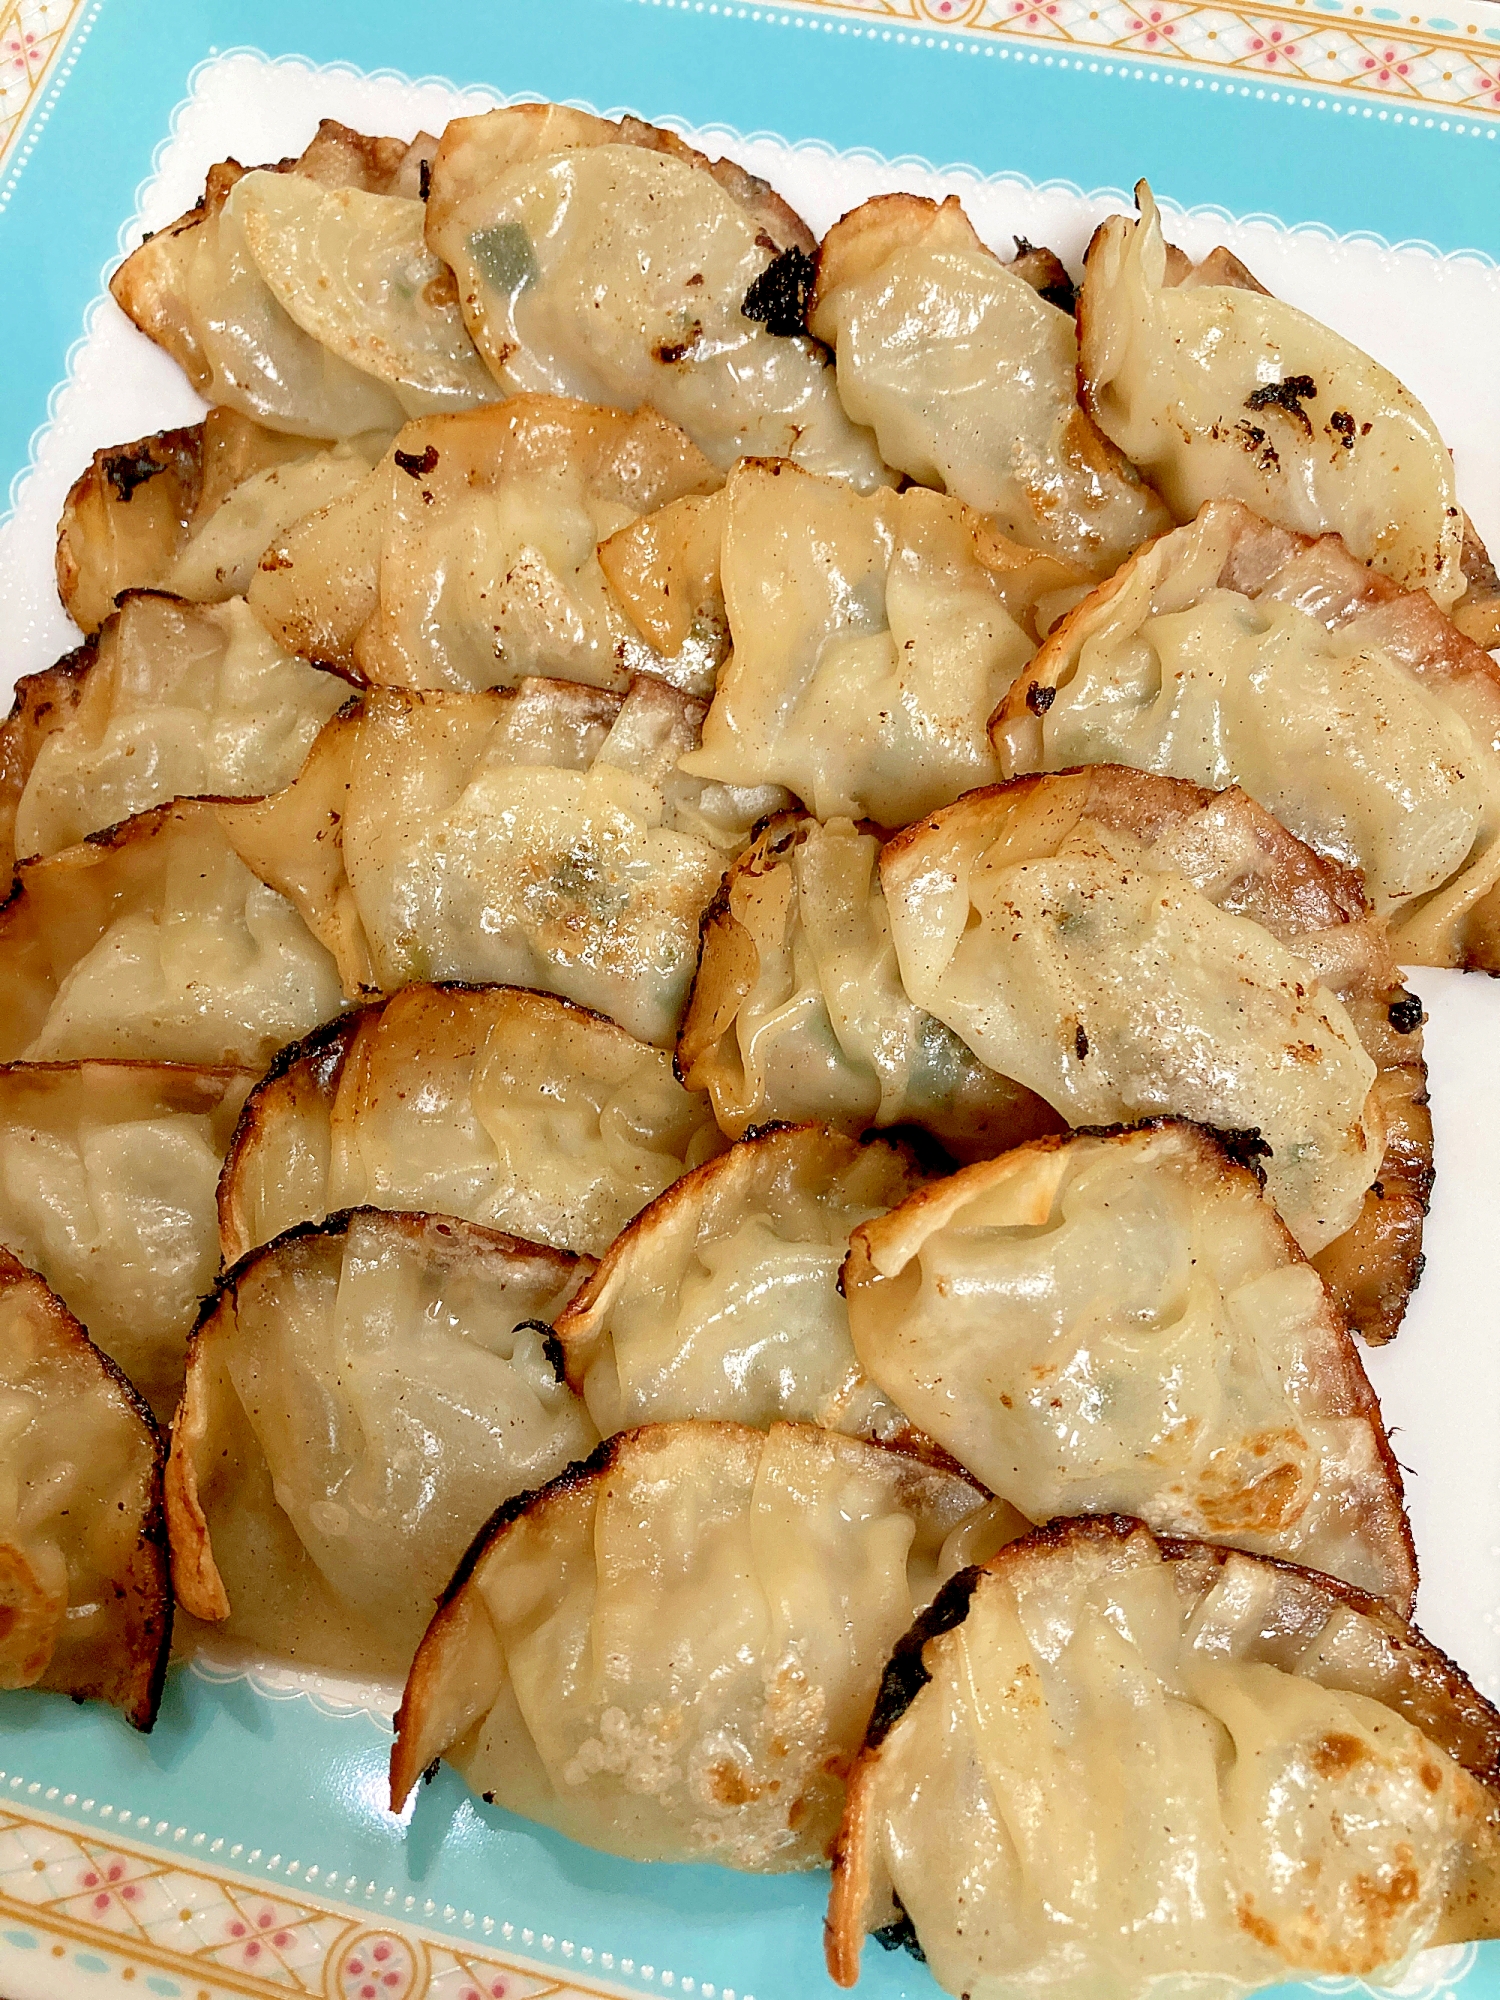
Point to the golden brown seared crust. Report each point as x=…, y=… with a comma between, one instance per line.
x=43, y=703
x=125, y=518
x=1315, y=905
x=1219, y=267
x=129, y=1671
x=148, y=286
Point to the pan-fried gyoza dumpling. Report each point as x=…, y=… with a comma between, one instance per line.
x=1113, y=1766
x=968, y=375
x=540, y=835
x=615, y=263
x=192, y=511
x=361, y=1395
x=722, y=1300
x=797, y=1008
x=1128, y=946
x=1219, y=392
x=508, y=1108
x=872, y=636
x=85, y=1597
x=178, y=700
x=466, y=559
x=42, y=702
x=304, y=296
x=108, y=1174
x=1120, y=1323
x=672, y=1652
x=1234, y=652
x=154, y=941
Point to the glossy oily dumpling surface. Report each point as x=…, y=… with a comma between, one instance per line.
x=304, y=296
x=108, y=1174
x=360, y=1398
x=182, y=700
x=872, y=636
x=1234, y=652
x=466, y=558
x=541, y=835
x=670, y=1653
x=968, y=377
x=1086, y=960
x=1121, y=1324
x=85, y=1603
x=722, y=1299
x=797, y=1009
x=612, y=262
x=504, y=1107
x=156, y=942
x=1109, y=1766
x=1218, y=392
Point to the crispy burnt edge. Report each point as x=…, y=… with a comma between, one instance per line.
x=1241, y=1152
x=43, y=703
x=1375, y=1266
x=1475, y=1748
x=195, y=1575
x=138, y=1692
x=113, y=476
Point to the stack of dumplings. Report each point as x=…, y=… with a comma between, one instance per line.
x=704, y=1046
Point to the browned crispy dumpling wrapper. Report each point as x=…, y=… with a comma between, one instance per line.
x=542, y=836
x=797, y=1009
x=153, y=941
x=108, y=1173
x=612, y=261
x=85, y=1595
x=722, y=1300
x=1028, y=1314
x=192, y=511
x=967, y=371
x=1128, y=945
x=466, y=558
x=361, y=1393
x=1109, y=1763
x=1232, y=651
x=303, y=295
x=173, y=700
x=505, y=1107
x=777, y=1562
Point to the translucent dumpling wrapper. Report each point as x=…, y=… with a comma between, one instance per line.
x=506, y=1108
x=466, y=559
x=1234, y=652
x=1120, y=1323
x=1129, y=946
x=540, y=836
x=361, y=1395
x=612, y=262
x=968, y=375
x=797, y=1009
x=85, y=1594
x=1219, y=392
x=177, y=701
x=872, y=636
x=1104, y=1766
x=153, y=941
x=108, y=1180
x=722, y=1299
x=192, y=511
x=671, y=1652
x=304, y=295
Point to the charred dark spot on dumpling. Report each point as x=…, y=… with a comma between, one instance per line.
x=424, y=178
x=900, y=1934
x=670, y=352
x=778, y=297
x=552, y=1347
x=1343, y=427
x=1039, y=699
x=906, y=1673
x=418, y=463
x=126, y=470
x=1405, y=1013
x=1255, y=442
x=1080, y=1043
x=1246, y=1148
x=1288, y=395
